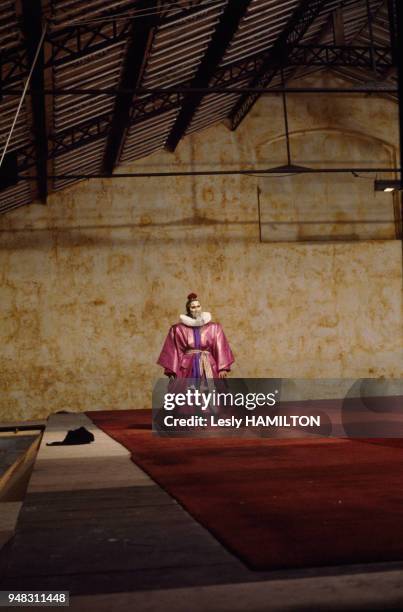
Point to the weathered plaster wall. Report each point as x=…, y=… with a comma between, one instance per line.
x=91, y=283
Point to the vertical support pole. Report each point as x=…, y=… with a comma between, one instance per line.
x=287, y=134
x=398, y=50
x=371, y=37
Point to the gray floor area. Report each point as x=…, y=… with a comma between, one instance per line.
x=96, y=525
x=17, y=454
x=12, y=447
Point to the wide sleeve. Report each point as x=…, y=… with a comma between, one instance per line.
x=170, y=354
x=222, y=351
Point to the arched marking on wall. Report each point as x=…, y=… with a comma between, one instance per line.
x=390, y=148
x=311, y=155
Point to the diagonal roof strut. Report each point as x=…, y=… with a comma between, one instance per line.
x=136, y=58
x=226, y=28
x=32, y=29
x=301, y=19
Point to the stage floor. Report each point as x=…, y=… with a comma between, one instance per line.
x=95, y=524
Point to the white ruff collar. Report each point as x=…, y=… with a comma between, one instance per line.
x=186, y=320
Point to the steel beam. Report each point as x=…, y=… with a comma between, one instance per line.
x=308, y=56
x=161, y=100
x=97, y=128
x=252, y=171
x=79, y=135
x=14, y=66
x=82, y=41
x=32, y=30
x=26, y=157
x=166, y=99
x=331, y=56
x=135, y=62
x=225, y=30
x=301, y=19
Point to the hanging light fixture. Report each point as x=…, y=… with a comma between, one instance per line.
x=388, y=186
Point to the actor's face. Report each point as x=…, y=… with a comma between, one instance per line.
x=195, y=309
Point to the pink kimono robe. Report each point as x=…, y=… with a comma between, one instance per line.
x=194, y=352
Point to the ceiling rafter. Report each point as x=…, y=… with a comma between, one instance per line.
x=32, y=25
x=332, y=29
x=365, y=72
x=306, y=56
x=26, y=157
x=13, y=65
x=83, y=40
x=301, y=19
x=225, y=30
x=336, y=55
x=79, y=135
x=382, y=59
x=150, y=106
x=155, y=104
x=171, y=11
x=83, y=62
x=136, y=59
x=71, y=43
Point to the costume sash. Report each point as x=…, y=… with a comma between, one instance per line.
x=205, y=366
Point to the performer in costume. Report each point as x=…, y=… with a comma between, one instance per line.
x=196, y=347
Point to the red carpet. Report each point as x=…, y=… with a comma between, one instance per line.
x=278, y=503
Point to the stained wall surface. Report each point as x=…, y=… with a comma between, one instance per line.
x=91, y=283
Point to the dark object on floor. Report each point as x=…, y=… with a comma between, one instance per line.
x=75, y=436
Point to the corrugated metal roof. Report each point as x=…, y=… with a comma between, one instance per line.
x=87, y=47
x=176, y=52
